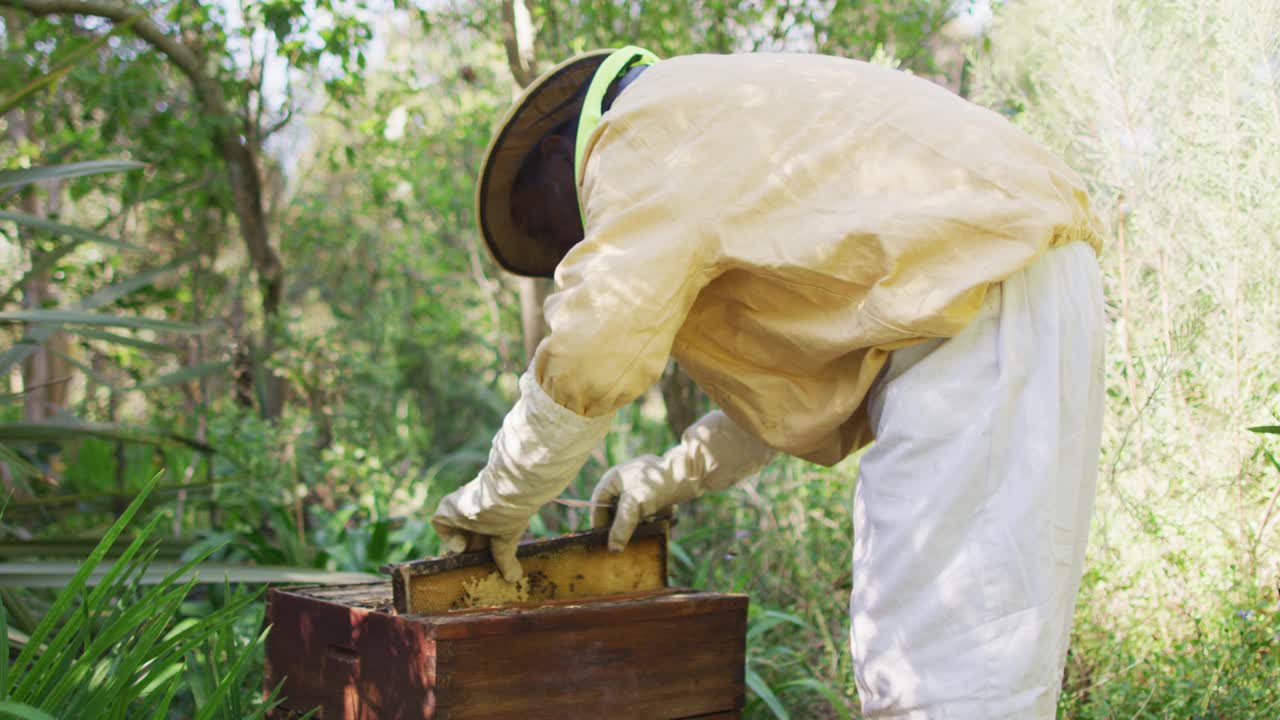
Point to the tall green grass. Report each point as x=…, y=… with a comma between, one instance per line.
x=119, y=649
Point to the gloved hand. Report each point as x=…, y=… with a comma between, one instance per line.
x=713, y=454
x=539, y=449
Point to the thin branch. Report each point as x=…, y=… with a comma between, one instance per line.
x=33, y=388
x=1271, y=506
x=491, y=299
x=279, y=124
x=517, y=38
x=257, y=74
x=288, y=105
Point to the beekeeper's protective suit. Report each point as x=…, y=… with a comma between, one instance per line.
x=835, y=252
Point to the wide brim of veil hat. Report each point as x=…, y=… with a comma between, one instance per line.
x=545, y=104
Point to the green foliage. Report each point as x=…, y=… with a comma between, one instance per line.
x=62, y=68
x=1169, y=112
x=786, y=538
x=23, y=177
x=42, y=322
x=117, y=651
x=400, y=341
x=1225, y=667
x=670, y=27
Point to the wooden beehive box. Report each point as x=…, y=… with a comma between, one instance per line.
x=662, y=653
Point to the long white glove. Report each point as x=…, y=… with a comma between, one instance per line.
x=713, y=454
x=535, y=455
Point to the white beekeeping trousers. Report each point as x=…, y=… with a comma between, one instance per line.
x=971, y=512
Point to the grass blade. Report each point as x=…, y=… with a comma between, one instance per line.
x=74, y=632
x=766, y=695
x=229, y=680
x=763, y=621
x=4, y=652
x=18, y=617
x=838, y=704
x=23, y=711
x=77, y=583
x=162, y=708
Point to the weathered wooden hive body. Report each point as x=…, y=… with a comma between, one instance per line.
x=586, y=635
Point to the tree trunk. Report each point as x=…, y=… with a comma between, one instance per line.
x=533, y=293
x=517, y=39
x=682, y=398
x=45, y=371
x=246, y=187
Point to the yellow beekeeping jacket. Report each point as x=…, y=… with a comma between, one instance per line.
x=779, y=223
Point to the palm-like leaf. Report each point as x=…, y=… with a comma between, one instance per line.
x=57, y=574
x=27, y=176
x=100, y=298
x=110, y=648
x=186, y=374
x=23, y=711
x=43, y=323
x=114, y=338
x=81, y=317
x=15, y=433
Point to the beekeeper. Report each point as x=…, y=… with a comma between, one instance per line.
x=836, y=252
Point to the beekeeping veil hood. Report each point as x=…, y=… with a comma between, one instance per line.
x=574, y=88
